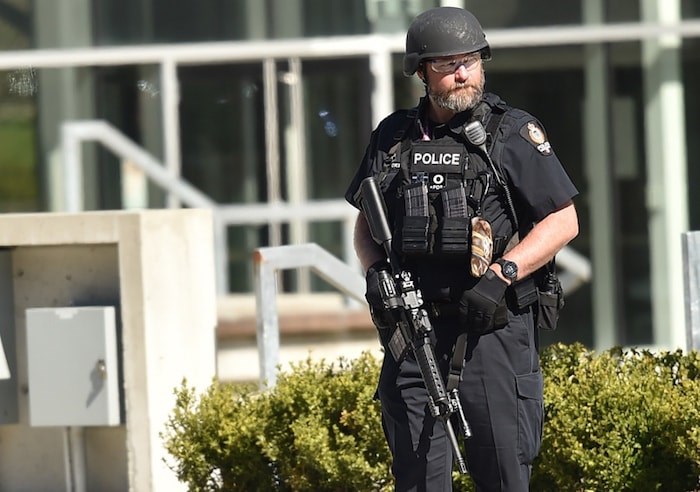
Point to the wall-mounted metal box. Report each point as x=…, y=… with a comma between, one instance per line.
x=72, y=366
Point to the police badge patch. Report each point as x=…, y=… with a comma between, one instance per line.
x=535, y=135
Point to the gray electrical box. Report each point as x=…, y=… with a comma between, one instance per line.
x=72, y=366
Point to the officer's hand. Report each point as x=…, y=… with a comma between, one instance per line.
x=479, y=305
x=380, y=316
x=373, y=293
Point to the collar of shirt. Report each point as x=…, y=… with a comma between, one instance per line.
x=429, y=130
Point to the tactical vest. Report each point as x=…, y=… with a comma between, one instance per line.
x=434, y=189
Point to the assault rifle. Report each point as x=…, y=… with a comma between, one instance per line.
x=411, y=324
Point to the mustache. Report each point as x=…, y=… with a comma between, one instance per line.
x=463, y=85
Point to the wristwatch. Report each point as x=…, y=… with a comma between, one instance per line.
x=508, y=268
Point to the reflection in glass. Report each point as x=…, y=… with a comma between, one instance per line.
x=19, y=190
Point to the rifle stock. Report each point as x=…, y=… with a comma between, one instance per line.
x=404, y=301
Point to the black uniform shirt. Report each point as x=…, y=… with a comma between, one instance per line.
x=536, y=178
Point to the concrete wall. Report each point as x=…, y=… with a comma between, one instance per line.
x=318, y=326
x=157, y=269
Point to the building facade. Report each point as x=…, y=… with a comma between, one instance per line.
x=254, y=103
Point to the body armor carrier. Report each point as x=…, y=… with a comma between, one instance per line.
x=444, y=189
x=444, y=197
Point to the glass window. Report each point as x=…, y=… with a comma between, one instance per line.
x=691, y=79
x=127, y=97
x=223, y=149
x=542, y=81
x=337, y=113
x=629, y=157
x=623, y=10
x=19, y=190
x=334, y=17
x=514, y=13
x=338, y=124
x=690, y=9
x=125, y=22
x=222, y=131
x=15, y=25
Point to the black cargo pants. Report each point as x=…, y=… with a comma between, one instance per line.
x=501, y=393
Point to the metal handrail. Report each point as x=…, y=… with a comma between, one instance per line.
x=74, y=133
x=268, y=261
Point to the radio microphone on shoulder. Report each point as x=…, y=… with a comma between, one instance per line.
x=476, y=135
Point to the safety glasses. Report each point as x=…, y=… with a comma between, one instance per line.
x=451, y=65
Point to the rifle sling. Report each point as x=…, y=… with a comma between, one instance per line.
x=460, y=351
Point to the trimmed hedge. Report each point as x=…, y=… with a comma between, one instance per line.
x=618, y=420
x=621, y=420
x=319, y=429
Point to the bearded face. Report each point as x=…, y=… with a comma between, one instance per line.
x=460, y=95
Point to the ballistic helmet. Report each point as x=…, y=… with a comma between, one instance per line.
x=443, y=31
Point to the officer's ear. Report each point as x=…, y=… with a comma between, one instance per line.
x=421, y=72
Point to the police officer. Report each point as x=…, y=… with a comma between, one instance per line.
x=474, y=220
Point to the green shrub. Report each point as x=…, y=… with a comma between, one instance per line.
x=619, y=420
x=321, y=430
x=216, y=440
x=318, y=429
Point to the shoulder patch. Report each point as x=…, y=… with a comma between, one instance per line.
x=534, y=134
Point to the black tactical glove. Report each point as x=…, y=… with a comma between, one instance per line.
x=373, y=293
x=482, y=307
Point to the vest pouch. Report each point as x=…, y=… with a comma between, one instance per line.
x=415, y=235
x=454, y=223
x=454, y=235
x=524, y=292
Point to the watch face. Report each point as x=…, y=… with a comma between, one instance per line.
x=509, y=269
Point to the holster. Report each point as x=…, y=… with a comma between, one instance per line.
x=551, y=302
